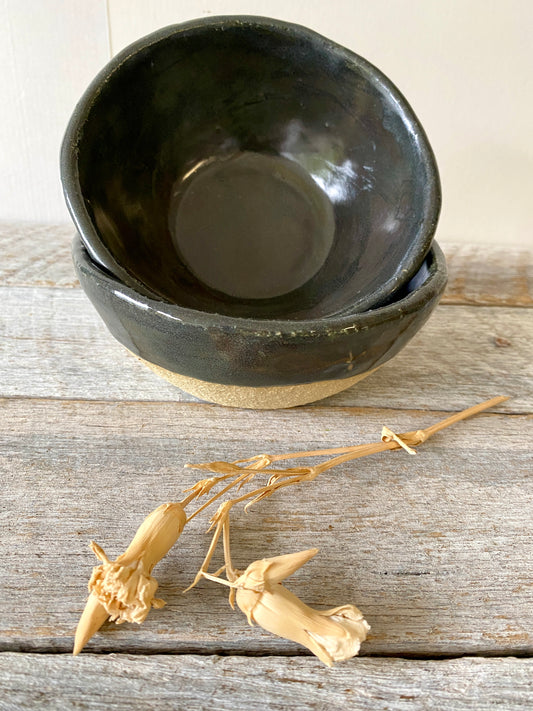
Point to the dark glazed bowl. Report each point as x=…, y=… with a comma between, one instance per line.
x=260, y=363
x=249, y=167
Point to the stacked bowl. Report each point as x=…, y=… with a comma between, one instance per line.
x=255, y=208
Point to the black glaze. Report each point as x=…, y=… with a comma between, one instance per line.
x=213, y=90
x=226, y=231
x=236, y=351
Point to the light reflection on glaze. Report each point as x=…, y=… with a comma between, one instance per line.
x=133, y=301
x=145, y=307
x=168, y=315
x=324, y=156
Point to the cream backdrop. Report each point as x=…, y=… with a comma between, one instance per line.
x=465, y=66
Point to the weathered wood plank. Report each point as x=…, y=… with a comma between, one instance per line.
x=53, y=344
x=436, y=550
x=164, y=682
x=490, y=276
x=35, y=254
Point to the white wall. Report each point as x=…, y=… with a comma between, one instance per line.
x=49, y=52
x=464, y=65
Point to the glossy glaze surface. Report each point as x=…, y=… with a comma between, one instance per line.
x=223, y=90
x=226, y=231
x=248, y=352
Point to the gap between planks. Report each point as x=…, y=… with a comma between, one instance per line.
x=320, y=405
x=264, y=653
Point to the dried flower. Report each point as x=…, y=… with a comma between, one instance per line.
x=332, y=635
x=123, y=590
x=126, y=590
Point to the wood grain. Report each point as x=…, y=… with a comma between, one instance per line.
x=53, y=344
x=489, y=277
x=36, y=254
x=124, y=682
x=436, y=550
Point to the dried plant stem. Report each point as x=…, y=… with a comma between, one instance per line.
x=221, y=523
x=231, y=573
x=188, y=499
x=464, y=414
x=418, y=435
x=281, y=478
x=233, y=483
x=205, y=564
x=123, y=589
x=413, y=438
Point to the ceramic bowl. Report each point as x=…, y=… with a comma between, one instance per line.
x=250, y=168
x=260, y=363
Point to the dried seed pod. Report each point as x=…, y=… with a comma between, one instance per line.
x=123, y=590
x=332, y=635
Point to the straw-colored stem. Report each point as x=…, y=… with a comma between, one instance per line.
x=464, y=414
x=233, y=483
x=231, y=573
x=221, y=521
x=215, y=579
x=280, y=478
x=188, y=499
x=362, y=450
x=269, y=489
x=208, y=556
x=230, y=570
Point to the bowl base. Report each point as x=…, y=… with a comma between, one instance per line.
x=272, y=397
x=251, y=226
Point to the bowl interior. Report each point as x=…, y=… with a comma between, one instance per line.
x=252, y=169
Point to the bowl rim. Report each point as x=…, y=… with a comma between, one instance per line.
x=431, y=288
x=99, y=252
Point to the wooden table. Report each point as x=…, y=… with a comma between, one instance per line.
x=436, y=550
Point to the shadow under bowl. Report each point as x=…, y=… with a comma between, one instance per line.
x=260, y=363
x=251, y=168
